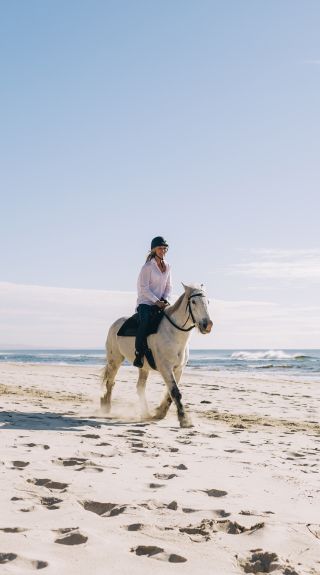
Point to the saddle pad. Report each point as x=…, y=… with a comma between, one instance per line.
x=130, y=326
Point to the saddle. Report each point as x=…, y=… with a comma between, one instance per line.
x=130, y=326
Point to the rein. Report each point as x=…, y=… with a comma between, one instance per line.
x=190, y=314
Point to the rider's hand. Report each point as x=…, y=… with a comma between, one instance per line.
x=161, y=304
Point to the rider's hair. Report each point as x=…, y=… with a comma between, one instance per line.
x=151, y=255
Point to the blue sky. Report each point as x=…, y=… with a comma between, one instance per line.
x=198, y=121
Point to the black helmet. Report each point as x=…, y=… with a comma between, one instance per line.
x=158, y=242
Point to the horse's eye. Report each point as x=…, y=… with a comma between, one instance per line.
x=193, y=302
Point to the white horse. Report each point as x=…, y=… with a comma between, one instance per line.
x=170, y=351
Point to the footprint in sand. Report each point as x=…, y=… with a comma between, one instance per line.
x=151, y=505
x=20, y=464
x=70, y=461
x=164, y=475
x=90, y=467
x=221, y=513
x=37, y=445
x=136, y=432
x=71, y=536
x=50, y=503
x=13, y=529
x=56, y=485
x=208, y=527
x=157, y=553
x=261, y=514
x=135, y=526
x=22, y=561
x=189, y=510
x=81, y=464
x=264, y=562
x=7, y=557
x=103, y=509
x=136, y=448
x=215, y=492
x=173, y=506
x=234, y=528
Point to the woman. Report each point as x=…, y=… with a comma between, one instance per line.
x=154, y=288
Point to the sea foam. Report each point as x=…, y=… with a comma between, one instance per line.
x=262, y=355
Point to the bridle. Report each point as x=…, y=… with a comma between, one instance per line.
x=188, y=307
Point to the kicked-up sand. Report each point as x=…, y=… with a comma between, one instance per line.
x=85, y=493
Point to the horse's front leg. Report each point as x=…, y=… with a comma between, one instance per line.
x=176, y=397
x=141, y=390
x=162, y=409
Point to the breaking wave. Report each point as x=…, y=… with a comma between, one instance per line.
x=263, y=355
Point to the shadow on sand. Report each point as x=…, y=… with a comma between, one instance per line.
x=57, y=421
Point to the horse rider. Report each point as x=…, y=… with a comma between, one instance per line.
x=154, y=288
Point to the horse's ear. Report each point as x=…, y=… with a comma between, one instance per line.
x=184, y=286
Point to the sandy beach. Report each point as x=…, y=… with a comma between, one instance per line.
x=81, y=493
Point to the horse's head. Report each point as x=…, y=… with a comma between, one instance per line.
x=197, y=303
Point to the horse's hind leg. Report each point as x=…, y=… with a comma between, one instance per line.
x=109, y=374
x=115, y=359
x=162, y=409
x=141, y=388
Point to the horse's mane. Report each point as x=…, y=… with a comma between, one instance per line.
x=172, y=308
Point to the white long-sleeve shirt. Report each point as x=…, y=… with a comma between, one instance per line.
x=153, y=284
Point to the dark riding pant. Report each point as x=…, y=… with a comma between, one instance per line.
x=144, y=312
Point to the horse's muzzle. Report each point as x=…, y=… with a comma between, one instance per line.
x=205, y=326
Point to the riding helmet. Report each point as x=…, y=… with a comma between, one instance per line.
x=158, y=242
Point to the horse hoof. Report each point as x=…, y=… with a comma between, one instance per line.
x=104, y=405
x=185, y=422
x=158, y=415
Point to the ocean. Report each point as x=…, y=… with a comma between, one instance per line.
x=302, y=362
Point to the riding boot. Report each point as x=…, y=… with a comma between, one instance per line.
x=138, y=361
x=141, y=338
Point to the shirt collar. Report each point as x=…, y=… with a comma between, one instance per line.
x=153, y=261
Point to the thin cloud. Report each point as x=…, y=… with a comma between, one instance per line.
x=36, y=316
x=282, y=264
